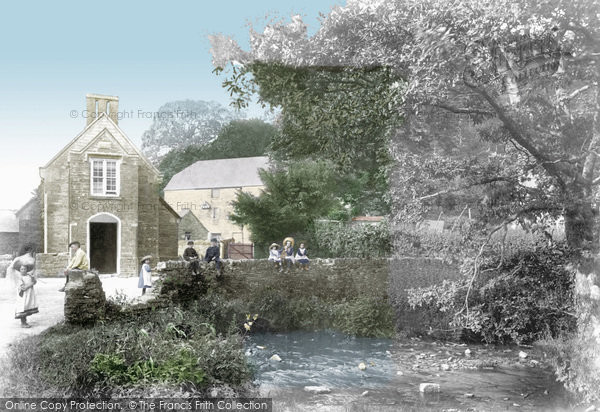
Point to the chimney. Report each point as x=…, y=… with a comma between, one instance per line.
x=96, y=104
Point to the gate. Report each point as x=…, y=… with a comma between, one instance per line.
x=240, y=251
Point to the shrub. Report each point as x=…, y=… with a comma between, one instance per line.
x=367, y=316
x=528, y=296
x=171, y=346
x=343, y=240
x=570, y=358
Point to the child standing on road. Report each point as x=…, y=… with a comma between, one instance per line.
x=145, y=279
x=27, y=299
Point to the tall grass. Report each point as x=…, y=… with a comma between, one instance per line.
x=170, y=347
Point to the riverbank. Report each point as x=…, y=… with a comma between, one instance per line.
x=474, y=377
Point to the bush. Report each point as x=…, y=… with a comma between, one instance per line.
x=527, y=297
x=361, y=241
x=366, y=316
x=169, y=346
x=570, y=358
x=461, y=238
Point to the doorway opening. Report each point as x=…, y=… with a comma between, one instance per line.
x=103, y=241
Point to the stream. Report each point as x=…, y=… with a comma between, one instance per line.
x=471, y=377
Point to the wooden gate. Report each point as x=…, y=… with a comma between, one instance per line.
x=240, y=251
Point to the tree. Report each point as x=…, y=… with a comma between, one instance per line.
x=327, y=112
x=293, y=198
x=179, y=124
x=239, y=138
x=472, y=59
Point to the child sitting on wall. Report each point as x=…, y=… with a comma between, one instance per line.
x=213, y=253
x=288, y=252
x=302, y=257
x=275, y=255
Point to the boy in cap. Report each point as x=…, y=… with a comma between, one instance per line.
x=213, y=253
x=78, y=261
x=190, y=255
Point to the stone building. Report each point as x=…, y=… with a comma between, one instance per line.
x=30, y=225
x=190, y=228
x=9, y=232
x=207, y=188
x=101, y=191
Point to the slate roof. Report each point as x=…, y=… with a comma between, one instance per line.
x=8, y=221
x=220, y=173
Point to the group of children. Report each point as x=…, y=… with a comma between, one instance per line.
x=276, y=255
x=24, y=279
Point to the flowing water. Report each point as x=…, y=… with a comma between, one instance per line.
x=486, y=378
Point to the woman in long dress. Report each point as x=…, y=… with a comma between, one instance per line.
x=27, y=298
x=145, y=279
x=26, y=257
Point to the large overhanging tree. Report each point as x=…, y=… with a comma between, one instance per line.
x=525, y=73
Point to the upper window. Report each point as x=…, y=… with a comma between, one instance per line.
x=105, y=177
x=215, y=193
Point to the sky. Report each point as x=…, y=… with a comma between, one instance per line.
x=147, y=53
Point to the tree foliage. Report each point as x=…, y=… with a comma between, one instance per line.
x=239, y=138
x=179, y=124
x=292, y=199
x=524, y=75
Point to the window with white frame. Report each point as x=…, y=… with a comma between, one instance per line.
x=104, y=177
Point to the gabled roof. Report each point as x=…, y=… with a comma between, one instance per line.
x=25, y=206
x=220, y=173
x=9, y=221
x=88, y=127
x=169, y=208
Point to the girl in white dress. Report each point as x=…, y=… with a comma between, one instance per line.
x=302, y=257
x=275, y=255
x=27, y=298
x=145, y=279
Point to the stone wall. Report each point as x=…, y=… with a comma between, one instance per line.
x=51, y=264
x=85, y=300
x=326, y=278
x=148, y=211
x=328, y=282
x=189, y=223
x=167, y=228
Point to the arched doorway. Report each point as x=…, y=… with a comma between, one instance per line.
x=104, y=242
